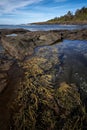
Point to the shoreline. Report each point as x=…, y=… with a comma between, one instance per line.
x=59, y=23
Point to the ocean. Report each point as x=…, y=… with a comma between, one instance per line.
x=35, y=27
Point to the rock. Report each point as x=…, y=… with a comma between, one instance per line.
x=80, y=34
x=23, y=45
x=3, y=84
x=5, y=64
x=50, y=38
x=25, y=42
x=17, y=49
x=10, y=31
x=3, y=75
x=43, y=37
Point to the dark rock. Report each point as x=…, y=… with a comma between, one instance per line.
x=5, y=64
x=10, y=31
x=73, y=34
x=3, y=84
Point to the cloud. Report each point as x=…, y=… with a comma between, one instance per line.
x=7, y=6
x=27, y=11
x=19, y=17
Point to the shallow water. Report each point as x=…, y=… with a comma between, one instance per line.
x=72, y=66
x=13, y=35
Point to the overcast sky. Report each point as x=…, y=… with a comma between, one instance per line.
x=28, y=11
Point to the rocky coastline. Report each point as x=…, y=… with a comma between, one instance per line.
x=64, y=23
x=31, y=95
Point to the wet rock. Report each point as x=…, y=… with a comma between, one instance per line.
x=5, y=65
x=3, y=75
x=24, y=44
x=17, y=48
x=21, y=46
x=50, y=38
x=85, y=55
x=72, y=34
x=10, y=31
x=3, y=80
x=3, y=83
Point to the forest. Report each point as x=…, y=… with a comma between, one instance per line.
x=80, y=16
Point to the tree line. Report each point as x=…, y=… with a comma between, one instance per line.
x=79, y=15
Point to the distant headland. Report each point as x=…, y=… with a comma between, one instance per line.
x=79, y=17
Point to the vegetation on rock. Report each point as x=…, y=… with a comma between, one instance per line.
x=43, y=105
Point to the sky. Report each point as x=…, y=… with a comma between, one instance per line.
x=28, y=11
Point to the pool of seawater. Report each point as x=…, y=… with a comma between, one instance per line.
x=72, y=55
x=13, y=35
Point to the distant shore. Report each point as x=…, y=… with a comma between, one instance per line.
x=79, y=17
x=60, y=23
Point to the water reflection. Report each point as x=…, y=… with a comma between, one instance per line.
x=72, y=65
x=13, y=35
